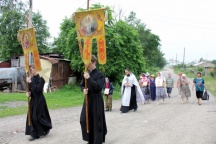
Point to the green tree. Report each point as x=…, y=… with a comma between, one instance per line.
x=123, y=48
x=42, y=32
x=214, y=62
x=11, y=21
x=150, y=42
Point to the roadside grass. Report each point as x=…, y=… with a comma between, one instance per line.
x=68, y=96
x=210, y=82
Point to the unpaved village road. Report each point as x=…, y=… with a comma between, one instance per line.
x=168, y=123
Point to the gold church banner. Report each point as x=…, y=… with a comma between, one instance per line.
x=29, y=45
x=90, y=25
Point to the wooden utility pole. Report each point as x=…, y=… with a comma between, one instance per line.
x=87, y=4
x=183, y=59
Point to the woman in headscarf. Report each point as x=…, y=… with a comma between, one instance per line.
x=185, y=90
x=160, y=87
x=152, y=87
x=144, y=84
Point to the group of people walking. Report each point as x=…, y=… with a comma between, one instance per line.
x=93, y=122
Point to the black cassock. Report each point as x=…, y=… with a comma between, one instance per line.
x=96, y=115
x=40, y=118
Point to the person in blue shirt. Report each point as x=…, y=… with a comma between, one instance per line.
x=199, y=85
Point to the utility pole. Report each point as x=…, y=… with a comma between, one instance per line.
x=30, y=13
x=87, y=4
x=183, y=58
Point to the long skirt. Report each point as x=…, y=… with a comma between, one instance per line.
x=146, y=92
x=161, y=93
x=153, y=92
x=185, y=92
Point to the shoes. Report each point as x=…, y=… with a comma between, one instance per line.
x=46, y=133
x=34, y=138
x=135, y=110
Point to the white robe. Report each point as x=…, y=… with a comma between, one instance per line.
x=126, y=94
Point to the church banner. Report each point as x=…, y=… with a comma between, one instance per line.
x=29, y=45
x=89, y=26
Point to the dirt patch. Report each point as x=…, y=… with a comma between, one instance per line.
x=14, y=104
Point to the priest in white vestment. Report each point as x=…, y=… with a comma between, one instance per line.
x=131, y=93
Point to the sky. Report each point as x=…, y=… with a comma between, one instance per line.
x=189, y=24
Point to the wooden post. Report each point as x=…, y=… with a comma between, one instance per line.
x=29, y=24
x=86, y=96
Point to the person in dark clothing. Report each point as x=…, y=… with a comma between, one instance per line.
x=39, y=114
x=108, y=91
x=152, y=88
x=96, y=115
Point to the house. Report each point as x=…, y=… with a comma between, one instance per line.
x=208, y=66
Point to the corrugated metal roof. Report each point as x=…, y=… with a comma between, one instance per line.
x=204, y=64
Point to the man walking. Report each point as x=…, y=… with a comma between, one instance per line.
x=96, y=116
x=169, y=84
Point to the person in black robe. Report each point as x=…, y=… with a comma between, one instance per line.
x=39, y=114
x=96, y=115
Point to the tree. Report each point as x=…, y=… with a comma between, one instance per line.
x=11, y=21
x=150, y=43
x=42, y=33
x=123, y=48
x=214, y=62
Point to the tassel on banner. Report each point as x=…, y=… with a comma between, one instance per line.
x=106, y=16
x=103, y=69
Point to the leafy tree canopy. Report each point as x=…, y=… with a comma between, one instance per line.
x=11, y=21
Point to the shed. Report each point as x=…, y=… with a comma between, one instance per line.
x=56, y=72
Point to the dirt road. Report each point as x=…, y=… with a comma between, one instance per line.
x=168, y=123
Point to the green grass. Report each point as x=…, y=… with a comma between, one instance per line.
x=68, y=96
x=210, y=82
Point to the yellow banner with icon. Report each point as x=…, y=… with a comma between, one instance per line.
x=89, y=26
x=27, y=38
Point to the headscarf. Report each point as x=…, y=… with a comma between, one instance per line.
x=161, y=75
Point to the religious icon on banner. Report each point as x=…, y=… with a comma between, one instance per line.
x=29, y=45
x=90, y=25
x=26, y=41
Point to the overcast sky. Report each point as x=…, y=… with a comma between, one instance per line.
x=189, y=24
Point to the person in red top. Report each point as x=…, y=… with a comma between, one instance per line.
x=108, y=91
